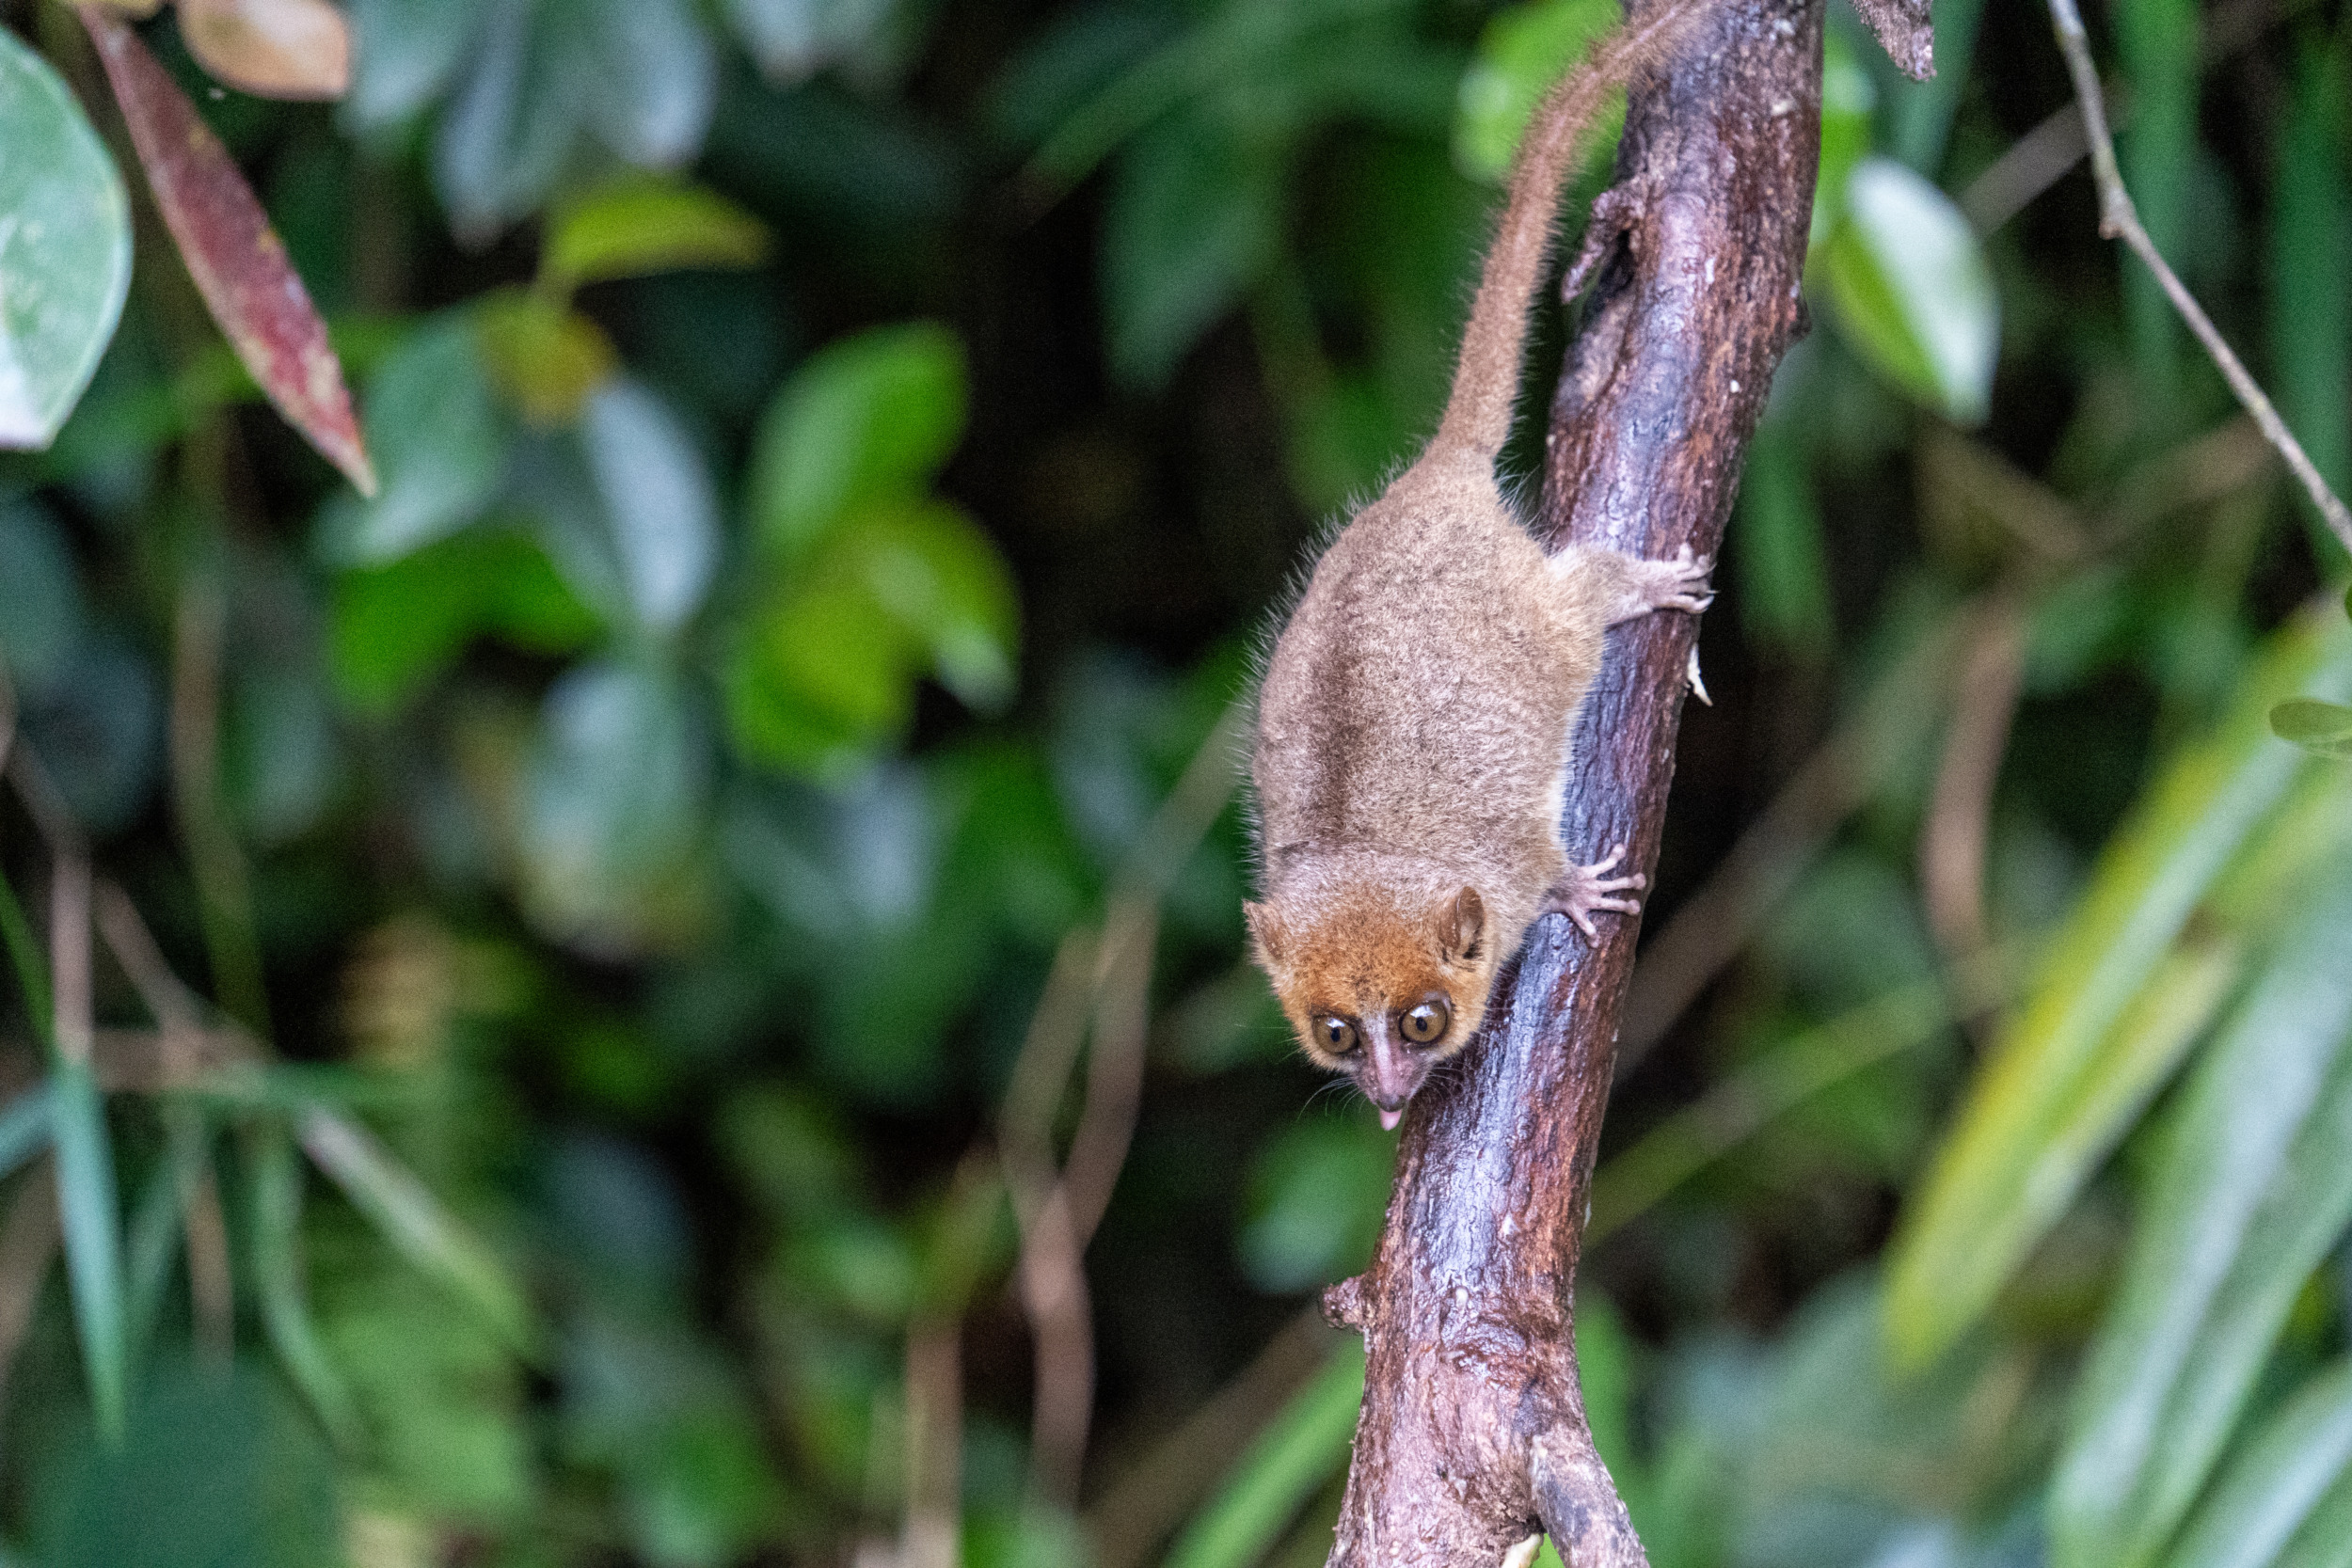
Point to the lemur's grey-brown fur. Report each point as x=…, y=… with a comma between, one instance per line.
x=1412, y=730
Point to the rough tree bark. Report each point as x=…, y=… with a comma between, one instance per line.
x=1473, y=1430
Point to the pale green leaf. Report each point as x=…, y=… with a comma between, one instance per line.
x=65, y=248
x=2094, y=1036
x=24, y=1128
x=1304, y=1448
x=93, y=1231
x=2322, y=727
x=275, y=1235
x=439, y=448
x=645, y=225
x=871, y=415
x=1911, y=291
x=2255, y=1187
x=1194, y=216
x=2294, y=1473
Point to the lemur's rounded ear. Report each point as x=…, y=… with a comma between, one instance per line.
x=1267, y=931
x=1462, y=925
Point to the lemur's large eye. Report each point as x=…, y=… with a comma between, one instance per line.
x=1426, y=1023
x=1335, y=1034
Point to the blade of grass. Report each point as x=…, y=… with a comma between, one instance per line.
x=24, y=1128
x=2253, y=1190
x=2289, y=1470
x=433, y=1240
x=153, y=1242
x=92, y=1230
x=1305, y=1447
x=275, y=1175
x=32, y=970
x=2075, y=1065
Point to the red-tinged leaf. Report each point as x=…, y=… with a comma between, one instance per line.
x=273, y=48
x=236, y=259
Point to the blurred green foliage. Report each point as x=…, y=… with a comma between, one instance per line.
x=836, y=457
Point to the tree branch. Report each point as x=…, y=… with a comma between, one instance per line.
x=1473, y=1427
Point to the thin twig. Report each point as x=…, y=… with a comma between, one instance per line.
x=934, y=1443
x=1058, y=1207
x=28, y=1239
x=74, y=1030
x=1148, y=1498
x=1954, y=842
x=1098, y=1149
x=185, y=1047
x=2119, y=219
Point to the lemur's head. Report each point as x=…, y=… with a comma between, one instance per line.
x=1377, y=989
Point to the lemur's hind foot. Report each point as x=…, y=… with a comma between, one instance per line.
x=1586, y=890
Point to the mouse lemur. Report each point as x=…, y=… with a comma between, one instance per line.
x=1412, y=727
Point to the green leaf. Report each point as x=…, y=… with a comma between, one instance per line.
x=2255, y=1187
x=1304, y=1448
x=1317, y=1193
x=1849, y=105
x=824, y=668
x=1784, y=565
x=26, y=1128
x=1911, y=291
x=1523, y=51
x=2288, y=1493
x=93, y=1236
x=611, y=805
x=2324, y=728
x=1194, y=217
x=152, y=1243
x=511, y=119
x=26, y=958
x=2156, y=41
x=276, y=1238
x=641, y=225
x=657, y=502
x=2118, y=999
x=2310, y=271
x=448, y=1426
x=817, y=676
x=218, y=1469
x=65, y=248
x=404, y=52
x=414, y=1221
x=934, y=571
x=2325, y=1540
x=395, y=627
x=871, y=415
x=652, y=75
x=439, y=444
x=543, y=356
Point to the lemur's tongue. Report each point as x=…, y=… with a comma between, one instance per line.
x=1390, y=1118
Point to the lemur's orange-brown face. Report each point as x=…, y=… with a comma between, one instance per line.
x=1380, y=994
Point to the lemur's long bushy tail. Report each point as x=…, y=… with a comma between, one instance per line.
x=1486, y=378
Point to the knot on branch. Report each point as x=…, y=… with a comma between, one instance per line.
x=1344, y=1305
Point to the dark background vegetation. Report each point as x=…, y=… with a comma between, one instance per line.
x=661, y=832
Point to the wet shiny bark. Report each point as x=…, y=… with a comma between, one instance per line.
x=1473, y=1433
